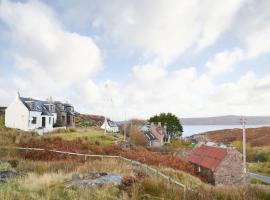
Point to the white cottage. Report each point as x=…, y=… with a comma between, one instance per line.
x=30, y=115
x=110, y=126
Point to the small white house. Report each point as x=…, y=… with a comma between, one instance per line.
x=28, y=114
x=110, y=126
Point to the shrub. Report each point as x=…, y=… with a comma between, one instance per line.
x=5, y=166
x=137, y=137
x=262, y=157
x=128, y=181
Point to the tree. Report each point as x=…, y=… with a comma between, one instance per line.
x=137, y=137
x=174, y=127
x=131, y=123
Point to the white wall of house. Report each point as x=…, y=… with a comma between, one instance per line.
x=17, y=115
x=49, y=121
x=109, y=128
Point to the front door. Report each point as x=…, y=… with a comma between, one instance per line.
x=43, y=122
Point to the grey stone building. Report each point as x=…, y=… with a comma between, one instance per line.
x=65, y=114
x=219, y=166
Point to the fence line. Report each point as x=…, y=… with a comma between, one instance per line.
x=167, y=178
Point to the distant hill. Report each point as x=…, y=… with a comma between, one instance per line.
x=255, y=136
x=226, y=120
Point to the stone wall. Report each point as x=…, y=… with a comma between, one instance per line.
x=230, y=170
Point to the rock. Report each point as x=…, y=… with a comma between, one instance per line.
x=5, y=175
x=92, y=179
x=125, y=144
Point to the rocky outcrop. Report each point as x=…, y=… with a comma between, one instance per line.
x=92, y=179
x=5, y=175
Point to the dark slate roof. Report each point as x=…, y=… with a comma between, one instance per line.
x=207, y=156
x=145, y=129
x=112, y=123
x=149, y=136
x=70, y=112
x=36, y=105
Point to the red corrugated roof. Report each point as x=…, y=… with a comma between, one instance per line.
x=207, y=157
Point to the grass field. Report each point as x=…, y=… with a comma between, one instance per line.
x=94, y=136
x=51, y=180
x=260, y=168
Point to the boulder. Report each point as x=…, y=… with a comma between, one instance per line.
x=92, y=179
x=5, y=175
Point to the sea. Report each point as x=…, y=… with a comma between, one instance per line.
x=197, y=129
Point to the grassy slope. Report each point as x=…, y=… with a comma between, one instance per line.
x=94, y=136
x=48, y=180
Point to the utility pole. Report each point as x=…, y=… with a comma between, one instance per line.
x=243, y=122
x=125, y=127
x=105, y=116
x=105, y=122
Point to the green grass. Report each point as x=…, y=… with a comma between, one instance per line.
x=94, y=136
x=184, y=178
x=260, y=168
x=177, y=144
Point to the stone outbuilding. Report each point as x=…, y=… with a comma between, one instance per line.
x=219, y=166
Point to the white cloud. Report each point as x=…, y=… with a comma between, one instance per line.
x=253, y=31
x=165, y=29
x=48, y=56
x=248, y=96
x=253, y=27
x=50, y=60
x=223, y=62
x=151, y=89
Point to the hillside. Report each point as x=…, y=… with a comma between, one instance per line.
x=84, y=120
x=255, y=136
x=226, y=120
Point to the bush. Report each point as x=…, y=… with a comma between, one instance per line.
x=137, y=137
x=5, y=166
x=262, y=157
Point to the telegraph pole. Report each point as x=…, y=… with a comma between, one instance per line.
x=243, y=122
x=105, y=116
x=125, y=127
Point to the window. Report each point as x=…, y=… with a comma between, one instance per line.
x=34, y=120
x=49, y=120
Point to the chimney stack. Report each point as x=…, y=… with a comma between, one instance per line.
x=17, y=95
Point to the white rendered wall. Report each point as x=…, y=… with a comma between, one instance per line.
x=109, y=128
x=48, y=123
x=17, y=115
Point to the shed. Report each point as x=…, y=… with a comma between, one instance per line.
x=219, y=166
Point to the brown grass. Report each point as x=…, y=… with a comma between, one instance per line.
x=255, y=136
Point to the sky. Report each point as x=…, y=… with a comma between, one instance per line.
x=133, y=59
